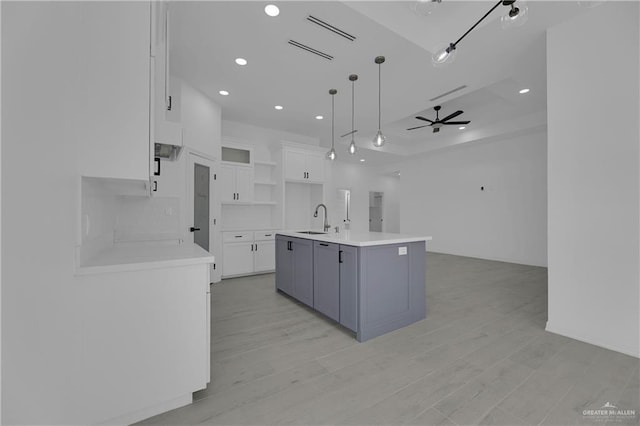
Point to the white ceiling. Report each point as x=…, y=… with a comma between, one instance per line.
x=492, y=62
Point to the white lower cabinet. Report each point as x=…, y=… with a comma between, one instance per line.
x=248, y=252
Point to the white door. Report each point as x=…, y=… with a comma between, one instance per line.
x=238, y=259
x=265, y=256
x=315, y=167
x=200, y=206
x=244, y=184
x=227, y=183
x=294, y=165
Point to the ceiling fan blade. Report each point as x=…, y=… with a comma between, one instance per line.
x=457, y=122
x=419, y=127
x=350, y=133
x=436, y=129
x=424, y=119
x=450, y=116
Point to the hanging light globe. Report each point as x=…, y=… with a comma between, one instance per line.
x=331, y=155
x=444, y=56
x=352, y=147
x=379, y=139
x=425, y=7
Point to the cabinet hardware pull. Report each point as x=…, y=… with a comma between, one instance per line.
x=238, y=236
x=157, y=161
x=155, y=186
x=267, y=235
x=256, y=247
x=340, y=257
x=324, y=244
x=169, y=106
x=289, y=246
x=194, y=229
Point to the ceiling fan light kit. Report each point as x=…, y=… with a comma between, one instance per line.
x=516, y=17
x=438, y=122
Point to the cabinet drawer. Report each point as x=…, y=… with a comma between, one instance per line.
x=264, y=235
x=231, y=237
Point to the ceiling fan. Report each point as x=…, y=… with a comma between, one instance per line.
x=437, y=123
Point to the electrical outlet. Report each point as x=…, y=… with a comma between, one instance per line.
x=402, y=251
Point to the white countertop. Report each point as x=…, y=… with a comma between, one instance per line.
x=358, y=239
x=132, y=257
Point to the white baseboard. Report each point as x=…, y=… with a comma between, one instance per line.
x=145, y=413
x=634, y=352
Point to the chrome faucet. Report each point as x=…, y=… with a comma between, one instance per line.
x=326, y=224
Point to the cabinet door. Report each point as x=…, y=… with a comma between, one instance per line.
x=244, y=184
x=349, y=287
x=284, y=266
x=264, y=256
x=227, y=183
x=237, y=259
x=326, y=279
x=315, y=167
x=114, y=127
x=303, y=270
x=294, y=165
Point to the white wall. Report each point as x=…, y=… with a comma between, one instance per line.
x=360, y=180
x=261, y=137
x=201, y=120
x=441, y=196
x=593, y=110
x=41, y=101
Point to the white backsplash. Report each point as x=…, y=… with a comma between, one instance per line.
x=147, y=219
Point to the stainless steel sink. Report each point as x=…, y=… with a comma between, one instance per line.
x=311, y=232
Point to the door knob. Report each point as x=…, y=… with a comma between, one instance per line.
x=194, y=229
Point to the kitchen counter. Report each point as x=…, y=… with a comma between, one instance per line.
x=358, y=239
x=132, y=257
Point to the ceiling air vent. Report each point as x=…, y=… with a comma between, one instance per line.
x=310, y=50
x=464, y=86
x=331, y=28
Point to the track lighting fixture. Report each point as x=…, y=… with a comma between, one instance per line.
x=331, y=155
x=516, y=16
x=379, y=139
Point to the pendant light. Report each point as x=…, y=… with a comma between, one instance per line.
x=352, y=146
x=331, y=155
x=425, y=7
x=379, y=139
x=516, y=16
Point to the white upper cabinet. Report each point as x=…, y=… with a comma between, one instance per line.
x=236, y=184
x=165, y=131
x=114, y=133
x=303, y=166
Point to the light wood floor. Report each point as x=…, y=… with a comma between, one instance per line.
x=481, y=357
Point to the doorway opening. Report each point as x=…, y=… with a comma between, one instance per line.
x=375, y=211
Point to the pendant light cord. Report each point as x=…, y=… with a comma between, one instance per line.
x=379, y=96
x=332, y=119
x=353, y=85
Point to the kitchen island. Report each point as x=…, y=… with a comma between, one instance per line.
x=369, y=282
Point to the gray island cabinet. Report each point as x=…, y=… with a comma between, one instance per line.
x=371, y=282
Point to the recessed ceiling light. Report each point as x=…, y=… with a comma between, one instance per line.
x=241, y=61
x=278, y=107
x=523, y=91
x=362, y=160
x=272, y=10
x=319, y=117
x=462, y=127
x=224, y=93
